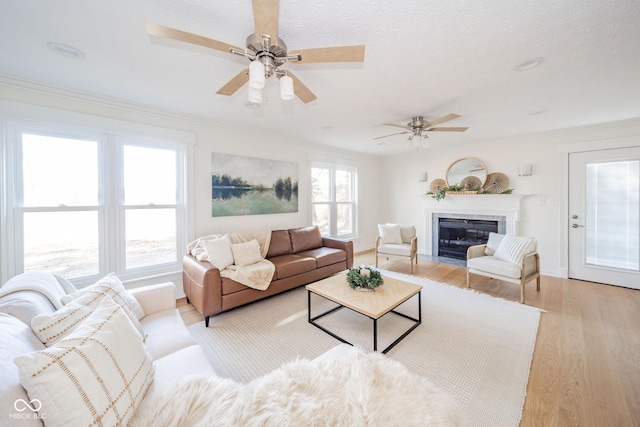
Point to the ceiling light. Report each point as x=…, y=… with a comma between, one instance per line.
x=66, y=50
x=256, y=74
x=419, y=140
x=255, y=95
x=286, y=88
x=529, y=64
x=264, y=64
x=259, y=72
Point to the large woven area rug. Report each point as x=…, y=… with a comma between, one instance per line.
x=475, y=347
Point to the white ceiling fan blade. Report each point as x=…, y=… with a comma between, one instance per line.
x=395, y=125
x=265, y=17
x=330, y=54
x=183, y=36
x=301, y=90
x=448, y=129
x=235, y=83
x=399, y=133
x=442, y=119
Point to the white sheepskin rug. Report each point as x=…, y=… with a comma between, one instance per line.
x=357, y=389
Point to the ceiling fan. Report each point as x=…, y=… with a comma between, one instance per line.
x=418, y=127
x=266, y=53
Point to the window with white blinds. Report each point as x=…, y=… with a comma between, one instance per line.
x=612, y=215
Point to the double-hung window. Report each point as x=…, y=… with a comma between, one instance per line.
x=84, y=204
x=333, y=199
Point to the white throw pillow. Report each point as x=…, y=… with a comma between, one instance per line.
x=407, y=233
x=513, y=248
x=493, y=243
x=112, y=286
x=390, y=233
x=219, y=252
x=246, y=253
x=97, y=375
x=50, y=328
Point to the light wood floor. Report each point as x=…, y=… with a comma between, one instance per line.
x=586, y=364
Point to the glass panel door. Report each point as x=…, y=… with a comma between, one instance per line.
x=604, y=216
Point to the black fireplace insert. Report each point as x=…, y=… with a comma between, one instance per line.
x=457, y=234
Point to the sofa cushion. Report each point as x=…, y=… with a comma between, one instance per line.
x=112, y=286
x=390, y=233
x=280, y=243
x=291, y=265
x=158, y=326
x=90, y=377
x=325, y=256
x=219, y=252
x=305, y=238
x=174, y=367
x=50, y=328
x=16, y=338
x=495, y=266
x=513, y=248
x=25, y=305
x=401, y=249
x=246, y=253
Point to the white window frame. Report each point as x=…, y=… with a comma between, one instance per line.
x=333, y=204
x=110, y=208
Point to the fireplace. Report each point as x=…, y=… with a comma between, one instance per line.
x=455, y=235
x=505, y=209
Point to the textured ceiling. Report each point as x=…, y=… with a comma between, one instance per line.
x=422, y=58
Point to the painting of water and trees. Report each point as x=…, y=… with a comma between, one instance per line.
x=252, y=186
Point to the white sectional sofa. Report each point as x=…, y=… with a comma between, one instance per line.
x=174, y=353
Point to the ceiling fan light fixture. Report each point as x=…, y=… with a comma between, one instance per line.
x=286, y=88
x=255, y=95
x=256, y=74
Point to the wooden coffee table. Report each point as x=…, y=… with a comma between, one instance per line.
x=371, y=304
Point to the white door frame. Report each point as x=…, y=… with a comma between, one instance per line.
x=564, y=151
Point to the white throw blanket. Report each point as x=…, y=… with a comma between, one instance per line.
x=256, y=276
x=51, y=286
x=357, y=389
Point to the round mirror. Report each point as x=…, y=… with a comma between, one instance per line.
x=463, y=169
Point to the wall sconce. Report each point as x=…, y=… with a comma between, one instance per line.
x=423, y=177
x=525, y=169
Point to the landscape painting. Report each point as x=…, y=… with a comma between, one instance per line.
x=251, y=186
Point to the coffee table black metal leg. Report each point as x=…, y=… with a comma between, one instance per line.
x=375, y=334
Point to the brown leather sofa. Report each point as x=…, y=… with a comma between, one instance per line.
x=301, y=256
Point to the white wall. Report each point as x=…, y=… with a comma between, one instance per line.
x=544, y=207
x=57, y=106
x=212, y=139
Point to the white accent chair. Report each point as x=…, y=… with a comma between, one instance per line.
x=399, y=241
x=510, y=258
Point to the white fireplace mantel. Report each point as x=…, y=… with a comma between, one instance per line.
x=507, y=205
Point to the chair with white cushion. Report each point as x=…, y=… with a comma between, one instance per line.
x=397, y=240
x=506, y=257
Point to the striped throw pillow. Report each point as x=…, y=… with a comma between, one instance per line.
x=50, y=328
x=513, y=248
